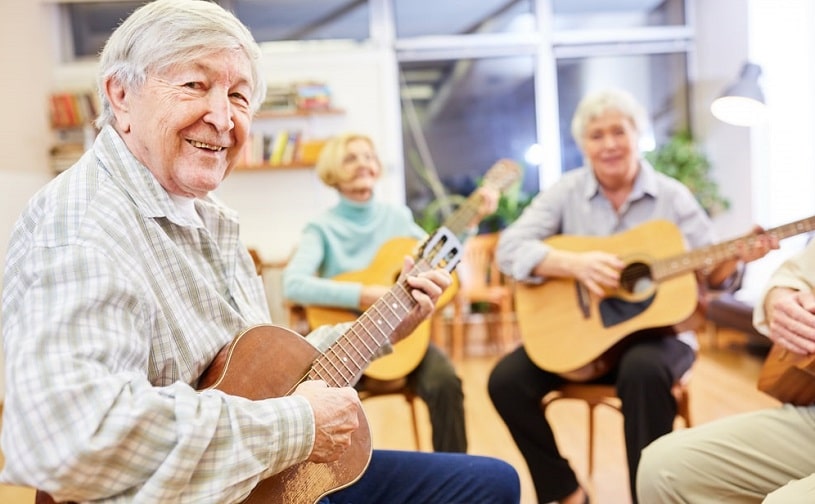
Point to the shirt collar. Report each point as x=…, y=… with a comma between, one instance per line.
x=644, y=184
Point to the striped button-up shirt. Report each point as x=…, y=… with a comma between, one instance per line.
x=114, y=303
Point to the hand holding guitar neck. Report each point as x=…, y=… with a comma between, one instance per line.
x=758, y=244
x=426, y=288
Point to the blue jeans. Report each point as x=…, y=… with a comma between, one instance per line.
x=432, y=478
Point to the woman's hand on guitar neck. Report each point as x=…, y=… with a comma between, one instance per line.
x=487, y=205
x=335, y=418
x=791, y=317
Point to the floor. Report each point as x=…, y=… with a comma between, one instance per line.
x=723, y=384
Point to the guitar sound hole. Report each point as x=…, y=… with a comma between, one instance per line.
x=636, y=278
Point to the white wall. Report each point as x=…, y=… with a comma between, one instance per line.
x=24, y=142
x=784, y=172
x=275, y=205
x=721, y=48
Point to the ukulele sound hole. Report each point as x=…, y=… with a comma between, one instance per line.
x=636, y=279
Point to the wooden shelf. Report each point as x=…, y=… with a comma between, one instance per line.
x=285, y=113
x=267, y=167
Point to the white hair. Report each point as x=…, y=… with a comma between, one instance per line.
x=595, y=104
x=164, y=33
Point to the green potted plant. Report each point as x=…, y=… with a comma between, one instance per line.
x=682, y=159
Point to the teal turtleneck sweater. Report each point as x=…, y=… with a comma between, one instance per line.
x=344, y=238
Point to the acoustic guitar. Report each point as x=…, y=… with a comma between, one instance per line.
x=269, y=361
x=788, y=377
x=570, y=331
x=384, y=268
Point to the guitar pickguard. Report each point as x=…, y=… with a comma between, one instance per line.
x=615, y=311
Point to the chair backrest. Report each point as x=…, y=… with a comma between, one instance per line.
x=478, y=268
x=257, y=260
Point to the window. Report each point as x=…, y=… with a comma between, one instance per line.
x=416, y=18
x=474, y=112
x=303, y=19
x=583, y=14
x=92, y=24
x=480, y=80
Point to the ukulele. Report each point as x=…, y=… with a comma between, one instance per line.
x=788, y=377
x=268, y=361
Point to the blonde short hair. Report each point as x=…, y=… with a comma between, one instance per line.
x=329, y=166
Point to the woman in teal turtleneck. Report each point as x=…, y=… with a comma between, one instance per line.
x=346, y=238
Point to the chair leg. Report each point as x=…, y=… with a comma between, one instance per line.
x=683, y=408
x=438, y=333
x=591, y=439
x=506, y=326
x=411, y=399
x=457, y=346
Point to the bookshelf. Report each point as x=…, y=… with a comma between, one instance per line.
x=288, y=139
x=71, y=117
x=286, y=135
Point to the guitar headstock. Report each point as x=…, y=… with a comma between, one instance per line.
x=442, y=249
x=502, y=175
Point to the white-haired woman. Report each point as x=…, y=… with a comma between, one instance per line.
x=615, y=191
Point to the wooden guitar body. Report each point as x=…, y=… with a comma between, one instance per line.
x=788, y=377
x=384, y=270
x=566, y=329
x=241, y=370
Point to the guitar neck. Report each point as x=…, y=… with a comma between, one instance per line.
x=711, y=255
x=500, y=176
x=458, y=221
x=343, y=362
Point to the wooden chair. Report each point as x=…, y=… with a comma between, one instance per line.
x=599, y=394
x=378, y=388
x=482, y=283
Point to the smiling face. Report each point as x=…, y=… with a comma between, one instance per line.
x=610, y=145
x=188, y=123
x=362, y=169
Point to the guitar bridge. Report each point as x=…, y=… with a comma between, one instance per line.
x=583, y=299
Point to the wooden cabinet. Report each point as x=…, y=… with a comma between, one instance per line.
x=289, y=139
